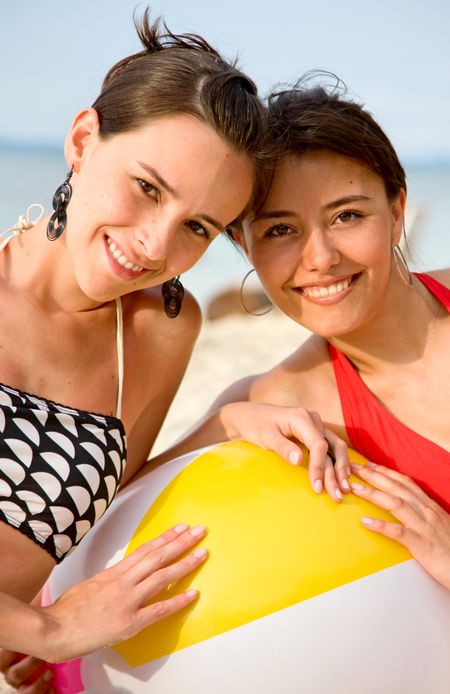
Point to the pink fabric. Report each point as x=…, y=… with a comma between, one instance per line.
x=67, y=676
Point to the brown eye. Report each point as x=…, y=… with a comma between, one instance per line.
x=198, y=229
x=149, y=189
x=347, y=216
x=278, y=230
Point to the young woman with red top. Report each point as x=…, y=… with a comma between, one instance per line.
x=325, y=244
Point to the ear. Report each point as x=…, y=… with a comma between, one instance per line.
x=82, y=134
x=398, y=206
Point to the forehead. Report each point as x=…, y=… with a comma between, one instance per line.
x=168, y=131
x=320, y=174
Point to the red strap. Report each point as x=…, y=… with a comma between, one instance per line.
x=438, y=290
x=380, y=436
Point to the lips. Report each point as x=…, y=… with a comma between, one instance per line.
x=121, y=258
x=328, y=292
x=318, y=292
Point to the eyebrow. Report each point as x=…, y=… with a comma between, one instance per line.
x=273, y=213
x=270, y=214
x=210, y=220
x=168, y=188
x=345, y=200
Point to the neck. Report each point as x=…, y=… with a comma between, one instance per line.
x=42, y=269
x=398, y=334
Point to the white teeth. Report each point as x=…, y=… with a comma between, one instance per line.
x=333, y=289
x=121, y=259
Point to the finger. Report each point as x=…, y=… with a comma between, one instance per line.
x=318, y=457
x=339, y=450
x=330, y=481
x=287, y=449
x=42, y=685
x=385, y=478
x=317, y=421
x=24, y=668
x=8, y=657
x=405, y=536
x=19, y=672
x=158, y=581
x=164, y=608
x=137, y=555
x=158, y=558
x=405, y=510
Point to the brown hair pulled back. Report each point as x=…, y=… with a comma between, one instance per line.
x=183, y=74
x=315, y=116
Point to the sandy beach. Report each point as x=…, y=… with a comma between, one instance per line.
x=227, y=349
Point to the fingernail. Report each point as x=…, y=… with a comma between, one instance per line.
x=199, y=553
x=191, y=593
x=48, y=675
x=198, y=530
x=365, y=520
x=355, y=466
x=338, y=493
x=372, y=465
x=318, y=486
x=358, y=487
x=345, y=484
x=181, y=528
x=294, y=458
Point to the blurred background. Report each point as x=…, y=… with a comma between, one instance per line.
x=394, y=57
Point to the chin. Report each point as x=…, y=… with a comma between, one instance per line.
x=326, y=327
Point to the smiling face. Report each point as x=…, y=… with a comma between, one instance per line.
x=322, y=244
x=147, y=203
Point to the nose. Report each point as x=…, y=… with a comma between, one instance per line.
x=319, y=253
x=154, y=241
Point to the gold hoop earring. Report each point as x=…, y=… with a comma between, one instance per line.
x=402, y=265
x=241, y=297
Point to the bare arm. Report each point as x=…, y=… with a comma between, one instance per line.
x=157, y=361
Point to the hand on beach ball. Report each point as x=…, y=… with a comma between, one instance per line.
x=272, y=543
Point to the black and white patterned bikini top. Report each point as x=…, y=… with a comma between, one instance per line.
x=60, y=467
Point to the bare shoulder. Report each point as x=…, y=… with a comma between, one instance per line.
x=299, y=380
x=442, y=276
x=145, y=316
x=280, y=384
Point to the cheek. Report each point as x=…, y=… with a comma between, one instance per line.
x=274, y=264
x=103, y=197
x=185, y=253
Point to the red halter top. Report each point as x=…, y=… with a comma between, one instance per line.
x=381, y=437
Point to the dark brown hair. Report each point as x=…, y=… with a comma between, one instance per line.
x=313, y=116
x=184, y=74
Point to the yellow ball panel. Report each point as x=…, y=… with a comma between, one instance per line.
x=272, y=541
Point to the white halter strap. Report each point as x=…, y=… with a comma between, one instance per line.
x=24, y=223
x=119, y=342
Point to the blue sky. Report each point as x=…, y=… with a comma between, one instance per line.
x=393, y=54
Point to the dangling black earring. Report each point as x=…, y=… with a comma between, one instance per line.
x=61, y=199
x=173, y=293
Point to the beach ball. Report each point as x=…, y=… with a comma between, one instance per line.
x=296, y=596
